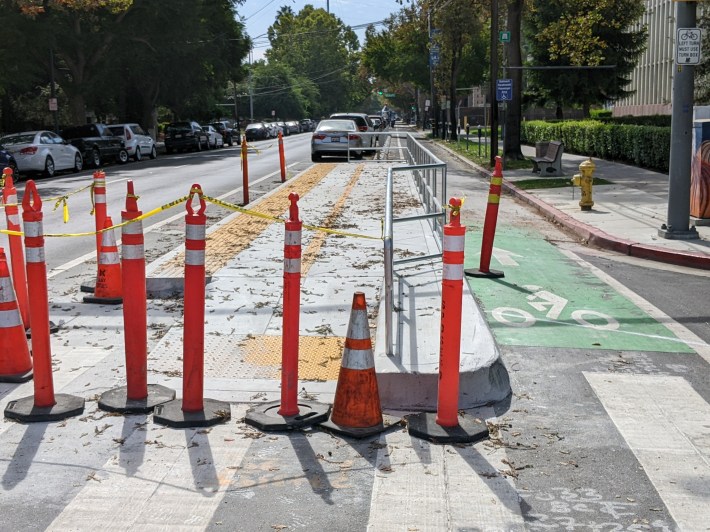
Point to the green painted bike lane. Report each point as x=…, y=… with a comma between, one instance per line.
x=548, y=300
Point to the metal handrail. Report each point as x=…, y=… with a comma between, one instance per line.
x=425, y=167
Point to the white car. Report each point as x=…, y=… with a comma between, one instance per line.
x=216, y=138
x=138, y=143
x=42, y=151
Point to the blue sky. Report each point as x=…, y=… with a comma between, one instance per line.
x=260, y=14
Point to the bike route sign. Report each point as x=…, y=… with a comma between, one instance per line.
x=548, y=300
x=687, y=46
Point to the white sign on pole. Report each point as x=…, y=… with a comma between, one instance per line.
x=53, y=106
x=687, y=46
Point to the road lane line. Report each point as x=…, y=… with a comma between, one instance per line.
x=666, y=424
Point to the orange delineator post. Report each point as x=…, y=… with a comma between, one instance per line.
x=194, y=314
x=451, y=302
x=245, y=172
x=135, y=317
x=98, y=193
x=282, y=158
x=17, y=257
x=291, y=311
x=489, y=225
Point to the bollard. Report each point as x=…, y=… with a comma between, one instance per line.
x=489, y=226
x=245, y=172
x=290, y=413
x=98, y=198
x=193, y=410
x=282, y=158
x=585, y=180
x=448, y=426
x=44, y=405
x=137, y=396
x=17, y=259
x=15, y=361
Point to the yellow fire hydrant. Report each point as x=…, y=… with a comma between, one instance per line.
x=584, y=180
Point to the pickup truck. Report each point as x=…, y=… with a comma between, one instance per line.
x=96, y=143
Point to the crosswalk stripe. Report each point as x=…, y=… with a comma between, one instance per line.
x=422, y=486
x=667, y=426
x=159, y=479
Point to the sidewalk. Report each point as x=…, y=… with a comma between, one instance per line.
x=626, y=215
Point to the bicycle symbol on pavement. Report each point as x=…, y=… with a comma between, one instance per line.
x=552, y=305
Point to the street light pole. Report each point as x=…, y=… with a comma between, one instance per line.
x=677, y=225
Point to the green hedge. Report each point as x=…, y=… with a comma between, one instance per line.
x=645, y=146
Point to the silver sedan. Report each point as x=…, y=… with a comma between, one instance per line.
x=42, y=151
x=336, y=137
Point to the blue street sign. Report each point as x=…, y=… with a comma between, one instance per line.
x=504, y=90
x=434, y=54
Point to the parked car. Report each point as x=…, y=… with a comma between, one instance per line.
x=7, y=160
x=256, y=131
x=42, y=151
x=377, y=122
x=136, y=141
x=293, y=127
x=363, y=124
x=274, y=129
x=307, y=124
x=281, y=126
x=224, y=129
x=216, y=140
x=336, y=137
x=184, y=136
x=96, y=143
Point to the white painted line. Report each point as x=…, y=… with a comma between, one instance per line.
x=667, y=426
x=159, y=479
x=689, y=338
x=423, y=486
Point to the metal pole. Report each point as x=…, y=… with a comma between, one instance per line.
x=494, y=77
x=677, y=225
x=52, y=90
x=434, y=125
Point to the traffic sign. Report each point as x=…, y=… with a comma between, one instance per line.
x=687, y=46
x=434, y=54
x=504, y=90
x=504, y=36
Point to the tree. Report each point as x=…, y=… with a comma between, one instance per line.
x=319, y=47
x=277, y=88
x=702, y=71
x=582, y=34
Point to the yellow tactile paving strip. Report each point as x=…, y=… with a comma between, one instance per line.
x=318, y=360
x=236, y=235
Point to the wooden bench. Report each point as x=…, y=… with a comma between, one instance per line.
x=549, y=164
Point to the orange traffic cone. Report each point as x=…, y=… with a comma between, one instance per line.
x=356, y=409
x=15, y=361
x=108, y=279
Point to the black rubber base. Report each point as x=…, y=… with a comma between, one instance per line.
x=25, y=411
x=171, y=414
x=491, y=274
x=266, y=416
x=117, y=400
x=103, y=300
x=88, y=286
x=424, y=426
x=17, y=377
x=53, y=328
x=388, y=422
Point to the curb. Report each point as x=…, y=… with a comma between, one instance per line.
x=596, y=237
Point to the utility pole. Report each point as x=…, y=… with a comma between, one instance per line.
x=52, y=91
x=435, y=118
x=677, y=224
x=494, y=77
x=327, y=6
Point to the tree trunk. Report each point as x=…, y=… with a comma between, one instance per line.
x=513, y=116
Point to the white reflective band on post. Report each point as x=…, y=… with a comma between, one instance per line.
x=453, y=272
x=136, y=228
x=13, y=219
x=12, y=198
x=454, y=243
x=293, y=238
x=292, y=265
x=107, y=239
x=358, y=358
x=10, y=318
x=33, y=229
x=109, y=257
x=7, y=292
x=99, y=181
x=195, y=257
x=99, y=198
x=195, y=232
x=133, y=251
x=34, y=254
